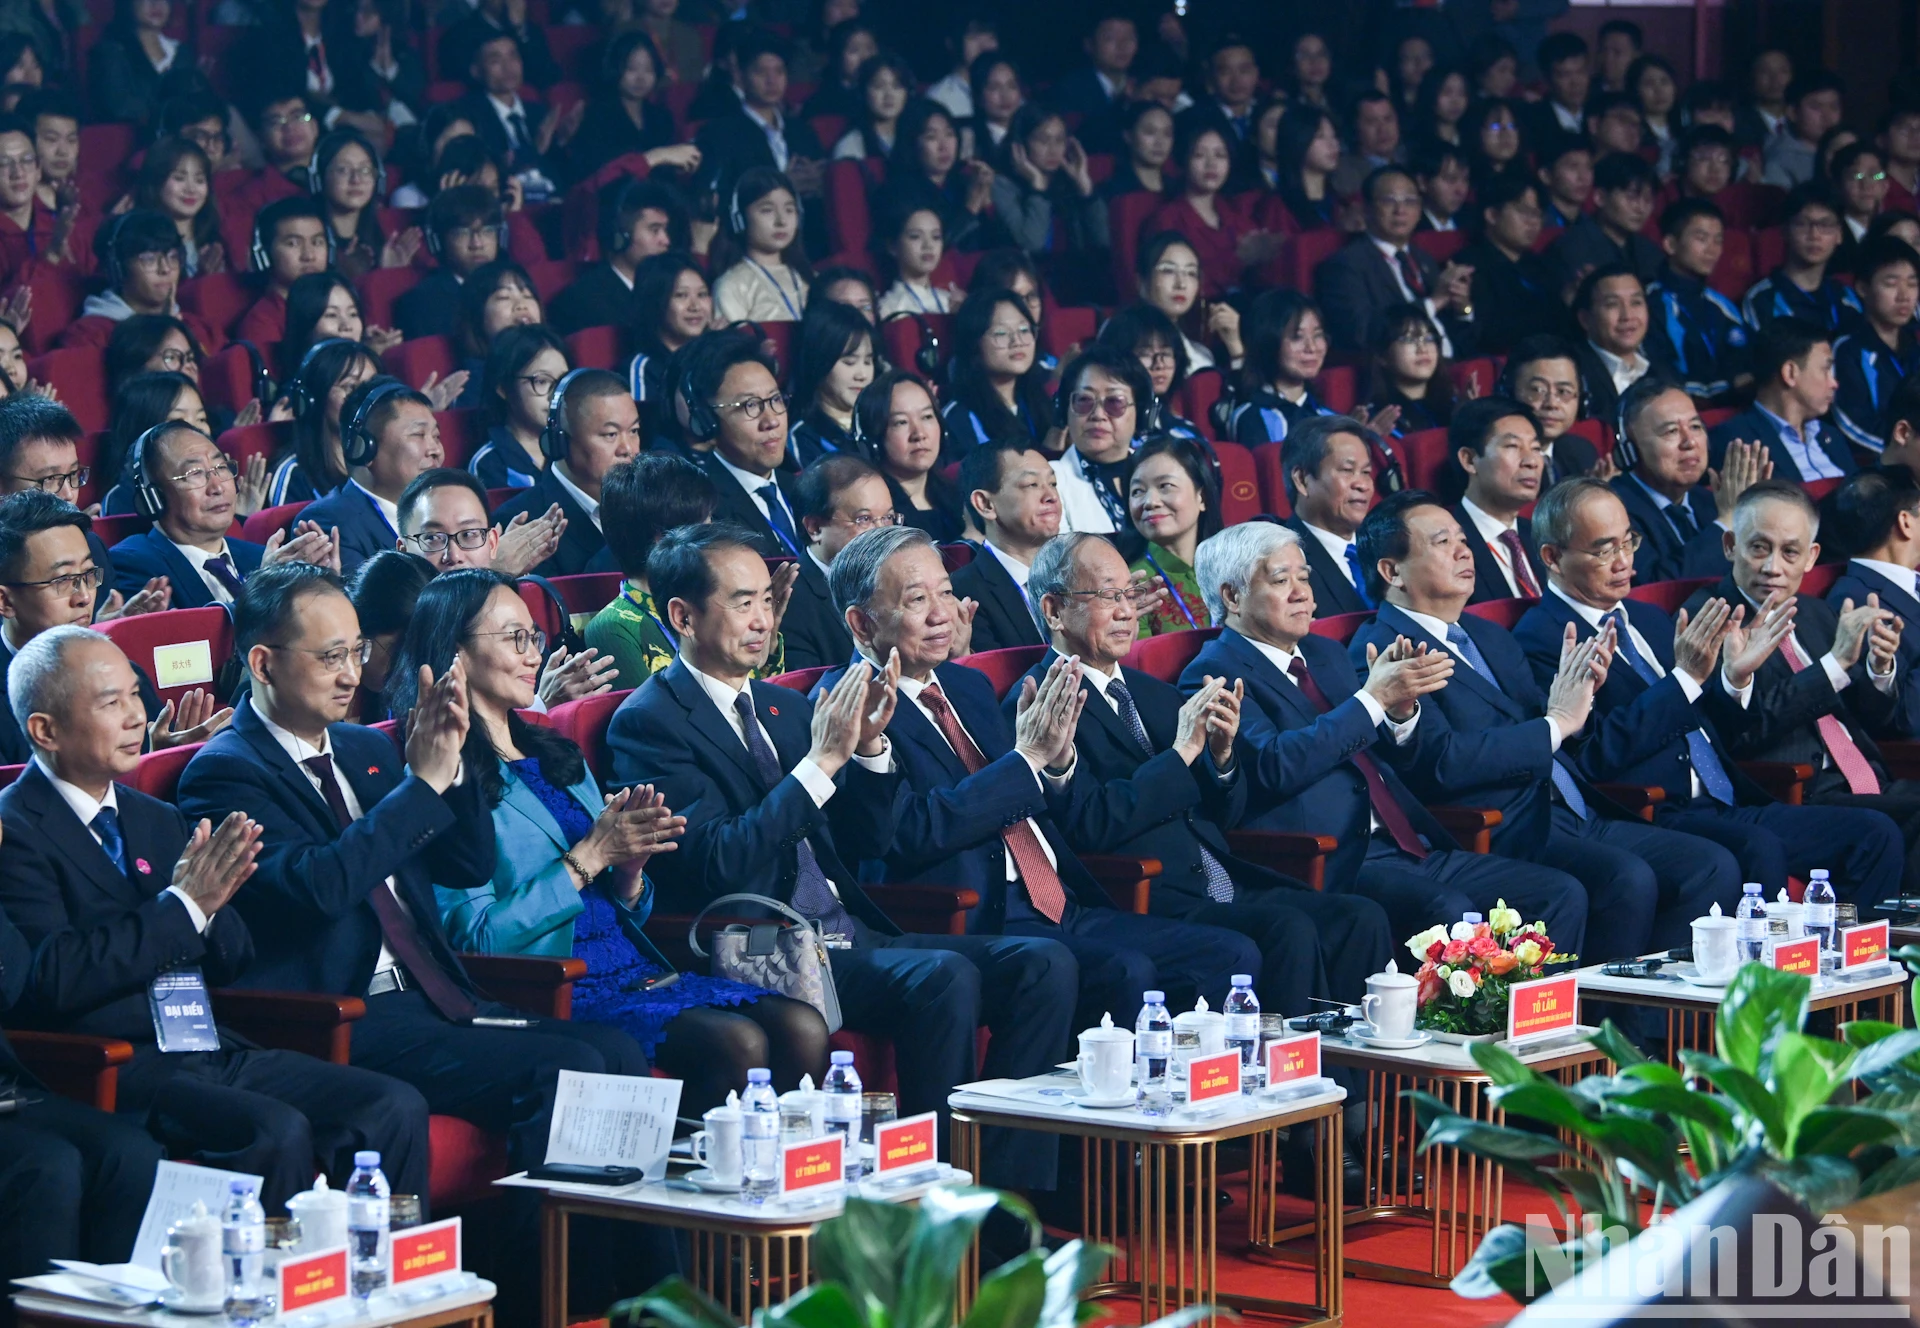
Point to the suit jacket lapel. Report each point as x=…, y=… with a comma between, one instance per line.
x=708, y=722
x=187, y=585
x=1264, y=671
x=248, y=724
x=1102, y=712
x=1480, y=686
x=1891, y=596
x=1010, y=600
x=74, y=841
x=523, y=800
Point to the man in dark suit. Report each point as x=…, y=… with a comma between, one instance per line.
x=1793, y=365
x=189, y=544
x=394, y=440
x=1159, y=779
x=510, y=119
x=1625, y=190
x=1380, y=269
x=1680, y=512
x=768, y=809
x=638, y=219
x=492, y=19
x=1507, y=744
x=759, y=131
x=837, y=498
x=1610, y=305
x=115, y=890
x=977, y=803
x=40, y=449
x=1325, y=748
x=1514, y=296
x=732, y=376
x=1835, y=683
x=74, y=1181
x=1878, y=513
x=1098, y=91
x=1674, y=687
x=1497, y=442
x=465, y=230
x=1015, y=497
x=1328, y=464
x=602, y=426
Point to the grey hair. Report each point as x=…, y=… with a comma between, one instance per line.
x=1229, y=559
x=1553, y=514
x=1052, y=570
x=1307, y=444
x=39, y=681
x=1774, y=491
x=855, y=573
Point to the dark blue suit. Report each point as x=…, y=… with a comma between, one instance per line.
x=1303, y=779
x=363, y=527
x=1125, y=801
x=929, y=994
x=1489, y=581
x=1644, y=885
x=137, y=559
x=1856, y=583
x=1638, y=735
x=1753, y=426
x=948, y=827
x=1664, y=554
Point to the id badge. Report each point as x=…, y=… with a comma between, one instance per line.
x=182, y=1011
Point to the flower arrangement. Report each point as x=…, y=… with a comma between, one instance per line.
x=1466, y=969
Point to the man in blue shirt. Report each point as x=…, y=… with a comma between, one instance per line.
x=1701, y=331
x=1793, y=364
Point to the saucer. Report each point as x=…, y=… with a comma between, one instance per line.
x=1363, y=1034
x=176, y=1302
x=1698, y=979
x=704, y=1178
x=1114, y=1103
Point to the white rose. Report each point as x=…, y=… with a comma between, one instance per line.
x=1462, y=931
x=1460, y=982
x=1424, y=941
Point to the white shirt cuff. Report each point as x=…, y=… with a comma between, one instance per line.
x=194, y=911
x=1554, y=736
x=1375, y=711
x=818, y=784
x=881, y=764
x=1052, y=783
x=1689, y=688
x=1882, y=682
x=1740, y=694
x=1836, y=675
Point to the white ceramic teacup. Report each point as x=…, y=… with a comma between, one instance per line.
x=190, y=1260
x=322, y=1215
x=1390, y=1004
x=1106, y=1062
x=718, y=1146
x=1716, y=953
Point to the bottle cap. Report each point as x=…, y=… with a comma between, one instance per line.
x=1474, y=918
x=841, y=1058
x=239, y=1187
x=759, y=1076
x=1154, y=997
x=1753, y=888
x=366, y=1158
x=1243, y=979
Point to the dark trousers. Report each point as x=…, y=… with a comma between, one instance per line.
x=1898, y=800
x=1311, y=944
x=73, y=1185
x=1419, y=892
x=930, y=995
x=1862, y=848
x=1122, y=955
x=1645, y=885
x=273, y=1113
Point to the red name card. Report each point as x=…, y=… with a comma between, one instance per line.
x=1213, y=1076
x=1292, y=1059
x=1863, y=945
x=1801, y=956
x=309, y=1279
x=904, y=1145
x=1537, y=1009
x=811, y=1164
x=426, y=1251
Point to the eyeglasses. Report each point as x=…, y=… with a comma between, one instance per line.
x=334, y=660
x=207, y=140
x=71, y=481
x=1173, y=270
x=65, y=587
x=436, y=541
x=1533, y=395
x=1861, y=177
x=1498, y=126
x=1814, y=225
x=1399, y=201
x=1113, y=405
x=1613, y=549
x=1112, y=597
x=750, y=407
x=541, y=384
x=283, y=121
x=864, y=521
x=1416, y=340
x=1158, y=359
x=466, y=236
x=352, y=174
x=1002, y=337
x=157, y=263
x=8, y=165
x=523, y=638
x=173, y=361
x=198, y=477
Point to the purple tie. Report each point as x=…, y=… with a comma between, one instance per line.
x=221, y=569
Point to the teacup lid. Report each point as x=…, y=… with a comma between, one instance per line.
x=1714, y=920
x=197, y=1218
x=1392, y=977
x=1106, y=1032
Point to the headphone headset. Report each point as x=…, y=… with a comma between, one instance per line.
x=147, y=499
x=926, y=356
x=499, y=230
x=616, y=239
x=1626, y=453
x=258, y=253
x=697, y=417
x=358, y=446
x=555, y=441
x=299, y=392
x=737, y=220
x=316, y=184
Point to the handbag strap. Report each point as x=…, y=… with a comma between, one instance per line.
x=771, y=905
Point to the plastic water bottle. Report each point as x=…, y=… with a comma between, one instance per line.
x=1243, y=1026
x=842, y=1087
x=243, y=1244
x=1752, y=925
x=760, y=1138
x=1152, y=1049
x=369, y=1215
x=1820, y=906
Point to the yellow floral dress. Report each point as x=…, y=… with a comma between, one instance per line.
x=634, y=634
x=1184, y=608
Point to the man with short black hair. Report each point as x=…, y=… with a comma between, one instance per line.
x=1014, y=496
x=603, y=429
x=758, y=130
x=510, y=119
x=1610, y=305
x=1625, y=189
x=1872, y=361
x=641, y=218
x=443, y=518
x=1440, y=169
x=1617, y=45
x=1814, y=105
x=295, y=243
x=1565, y=168
x=1497, y=442
x=55, y=115
x=40, y=449
x=1793, y=365
x=1803, y=285
x=837, y=498
x=1695, y=328
x=1879, y=513
x=466, y=229
x=1327, y=463
x=732, y=374
x=1565, y=60
x=288, y=130
x=29, y=228
x=1513, y=293
x=400, y=438
x=1543, y=374
x=1096, y=91
x=139, y=251
x=1376, y=141
x=1614, y=123
x=1373, y=272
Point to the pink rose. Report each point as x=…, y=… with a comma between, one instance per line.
x=1480, y=947
x=1454, y=953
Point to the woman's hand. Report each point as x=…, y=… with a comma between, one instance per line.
x=1223, y=321
x=442, y=392
x=684, y=155
x=250, y=488
x=1023, y=166
x=213, y=258
x=399, y=249
x=380, y=340
x=1077, y=168
x=634, y=825
x=979, y=185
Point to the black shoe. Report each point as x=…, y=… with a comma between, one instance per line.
x=1297, y=1171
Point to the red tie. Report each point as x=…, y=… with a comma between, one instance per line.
x=1522, y=569
x=1385, y=806
x=1834, y=737
x=1410, y=273
x=1042, y=881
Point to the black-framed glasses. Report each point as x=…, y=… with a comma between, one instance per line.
x=71, y=481
x=541, y=385
x=750, y=407
x=865, y=521
x=523, y=639
x=334, y=660
x=66, y=587
x=1614, y=548
x=174, y=360
x=283, y=121
x=198, y=476
x=436, y=541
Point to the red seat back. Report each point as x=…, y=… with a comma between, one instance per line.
x=1126, y=216
x=381, y=287
x=1197, y=398
x=1769, y=250
x=1004, y=667
x=1424, y=454
x=903, y=336
x=1818, y=489
x=589, y=592
x=956, y=555
x=412, y=362
x=1733, y=274
x=262, y=524
x=849, y=223
x=1341, y=626
x=57, y=296
x=1668, y=596
x=1067, y=327
x=1306, y=251
x=1272, y=477
x=1506, y=612
x=594, y=348
x=226, y=378
x=1819, y=579
x=113, y=529
x=158, y=774
x=459, y=431
x=1164, y=656
x=79, y=375
x=168, y=646
x=255, y=440
x=495, y=497
x=1239, y=484
x=802, y=680
x=1473, y=378
x=550, y=276
x=1718, y=416
x=1440, y=245
x=1338, y=386
x=585, y=722
x=219, y=297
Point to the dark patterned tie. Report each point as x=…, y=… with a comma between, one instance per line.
x=1387, y=810
x=1682, y=520
x=1522, y=566
x=1219, y=883
x=812, y=896
x=221, y=569
x=397, y=926
x=106, y=824
x=1706, y=762
x=1410, y=273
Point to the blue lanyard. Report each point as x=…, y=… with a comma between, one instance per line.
x=1186, y=612
x=793, y=310
x=665, y=631
x=938, y=307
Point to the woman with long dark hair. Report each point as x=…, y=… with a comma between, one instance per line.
x=1219, y=226
x=1306, y=152
x=350, y=191
x=885, y=82
x=322, y=305
x=522, y=366
x=834, y=363
x=1286, y=349
x=998, y=95
x=1173, y=503
x=143, y=401
x=925, y=170
x=1496, y=144
x=1142, y=331
x=901, y=427
x=494, y=297
x=850, y=44
x=150, y=343
x=998, y=390
x=1146, y=130
x=570, y=878
x=671, y=306
x=1441, y=104
x=135, y=65
x=383, y=592
x=1407, y=374
x=626, y=114
x=314, y=464
x=1042, y=189
x=176, y=180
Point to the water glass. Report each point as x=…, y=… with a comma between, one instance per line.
x=876, y=1109
x=403, y=1211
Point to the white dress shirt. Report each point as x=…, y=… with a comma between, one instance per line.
x=1491, y=528
x=1100, y=681
x=1335, y=545
x=591, y=506
x=1437, y=629
x=1624, y=373
x=85, y=806
x=199, y=557
x=753, y=484
x=1662, y=502
x=1392, y=253
x=390, y=511
x=1903, y=577
x=1573, y=122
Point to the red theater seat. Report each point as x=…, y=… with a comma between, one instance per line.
x=1004, y=667
x=1239, y=484
x=413, y=362
x=140, y=637
x=1668, y=596
x=585, y=722
x=1164, y=656
x=79, y=375
x=802, y=680
x=1341, y=627
x=262, y=524
x=1506, y=612
x=158, y=774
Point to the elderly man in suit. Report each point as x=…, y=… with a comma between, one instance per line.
x=1497, y=442
x=837, y=498
x=1680, y=510
x=1015, y=497
x=1381, y=268
x=783, y=798
x=1328, y=465
x=602, y=427
x=979, y=795
x=1793, y=365
x=389, y=437
x=1835, y=683
x=1878, y=512
x=1507, y=744
x=120, y=897
x=1675, y=691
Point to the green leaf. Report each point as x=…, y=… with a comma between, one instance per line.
x=1673, y=1100
x=1489, y=1272
x=674, y=1303
x=1499, y=1064
x=863, y=1250
x=1903, y=1170
x=1744, y=1091
x=1806, y=1071
x=1012, y=1295
x=1070, y=1270
x=1820, y=1182
x=1619, y=1048
x=1910, y=956
x=948, y=1220
x=1543, y=1101
x=1760, y=1004
x=822, y=1305
x=1883, y=1054
x=1838, y=1131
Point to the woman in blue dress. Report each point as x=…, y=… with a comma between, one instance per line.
x=569, y=878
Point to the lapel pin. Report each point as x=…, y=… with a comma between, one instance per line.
x=141, y=863
x=773, y=710
x=373, y=769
